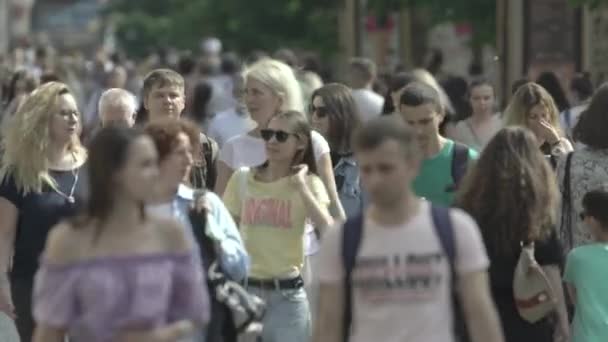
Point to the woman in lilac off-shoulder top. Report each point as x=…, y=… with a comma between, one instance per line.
x=115, y=274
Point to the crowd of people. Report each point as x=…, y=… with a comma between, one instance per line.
x=204, y=198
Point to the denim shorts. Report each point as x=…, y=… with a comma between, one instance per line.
x=287, y=317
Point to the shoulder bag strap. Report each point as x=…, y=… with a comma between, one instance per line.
x=352, y=233
x=566, y=226
x=445, y=232
x=444, y=229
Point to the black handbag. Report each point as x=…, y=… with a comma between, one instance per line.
x=234, y=310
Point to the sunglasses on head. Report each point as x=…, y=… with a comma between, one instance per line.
x=280, y=136
x=320, y=112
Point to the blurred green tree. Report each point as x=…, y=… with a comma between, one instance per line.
x=243, y=25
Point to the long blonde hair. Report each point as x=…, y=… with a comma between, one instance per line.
x=26, y=140
x=526, y=97
x=281, y=79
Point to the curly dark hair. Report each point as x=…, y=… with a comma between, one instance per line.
x=511, y=192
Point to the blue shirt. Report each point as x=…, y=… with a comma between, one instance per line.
x=233, y=257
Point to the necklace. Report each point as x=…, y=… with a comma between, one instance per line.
x=70, y=198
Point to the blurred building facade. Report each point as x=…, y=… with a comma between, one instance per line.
x=67, y=24
x=551, y=35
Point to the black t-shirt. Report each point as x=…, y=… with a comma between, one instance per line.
x=38, y=213
x=502, y=272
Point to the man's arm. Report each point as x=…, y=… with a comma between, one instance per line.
x=478, y=307
x=329, y=319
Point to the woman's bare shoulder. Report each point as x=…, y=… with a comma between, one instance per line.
x=173, y=234
x=66, y=243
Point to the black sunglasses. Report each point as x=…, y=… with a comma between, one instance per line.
x=280, y=136
x=320, y=112
x=583, y=215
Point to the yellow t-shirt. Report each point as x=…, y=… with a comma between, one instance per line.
x=272, y=219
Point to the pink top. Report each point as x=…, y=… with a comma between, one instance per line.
x=96, y=299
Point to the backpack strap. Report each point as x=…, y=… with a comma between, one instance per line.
x=445, y=232
x=444, y=229
x=209, y=148
x=460, y=160
x=352, y=232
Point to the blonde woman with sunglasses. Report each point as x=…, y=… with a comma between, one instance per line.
x=272, y=204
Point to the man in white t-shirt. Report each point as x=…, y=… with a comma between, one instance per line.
x=401, y=281
x=362, y=76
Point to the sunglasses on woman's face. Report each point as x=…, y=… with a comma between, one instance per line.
x=280, y=136
x=583, y=215
x=320, y=112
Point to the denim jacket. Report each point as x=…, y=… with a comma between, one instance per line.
x=351, y=196
x=233, y=258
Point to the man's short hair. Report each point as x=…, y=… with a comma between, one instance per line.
x=364, y=68
x=417, y=94
x=162, y=78
x=595, y=203
x=116, y=97
x=375, y=132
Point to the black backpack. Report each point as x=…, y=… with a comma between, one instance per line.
x=351, y=242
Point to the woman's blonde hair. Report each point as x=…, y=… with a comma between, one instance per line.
x=525, y=98
x=26, y=140
x=280, y=78
x=511, y=192
x=423, y=76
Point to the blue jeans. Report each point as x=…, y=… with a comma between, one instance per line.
x=287, y=317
